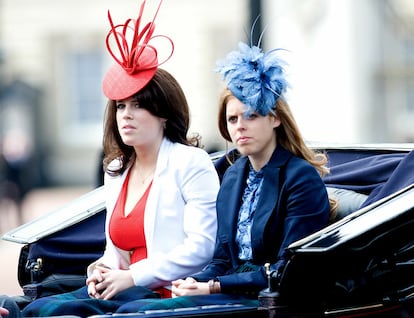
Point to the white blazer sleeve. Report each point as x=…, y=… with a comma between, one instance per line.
x=181, y=228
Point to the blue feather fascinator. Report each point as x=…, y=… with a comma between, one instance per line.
x=254, y=77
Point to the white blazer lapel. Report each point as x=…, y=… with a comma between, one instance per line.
x=154, y=195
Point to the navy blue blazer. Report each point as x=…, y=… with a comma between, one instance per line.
x=293, y=203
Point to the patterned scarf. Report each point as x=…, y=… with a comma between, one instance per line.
x=249, y=202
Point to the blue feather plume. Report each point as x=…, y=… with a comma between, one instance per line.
x=256, y=78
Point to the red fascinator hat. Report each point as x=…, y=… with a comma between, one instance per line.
x=136, y=59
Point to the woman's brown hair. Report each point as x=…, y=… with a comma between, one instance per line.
x=287, y=135
x=162, y=97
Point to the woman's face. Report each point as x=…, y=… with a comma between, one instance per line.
x=253, y=135
x=137, y=126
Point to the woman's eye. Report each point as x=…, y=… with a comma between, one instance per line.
x=232, y=119
x=252, y=116
x=120, y=106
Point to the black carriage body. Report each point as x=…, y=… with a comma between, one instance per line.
x=365, y=260
x=58, y=246
x=361, y=265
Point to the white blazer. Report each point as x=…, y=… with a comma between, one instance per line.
x=180, y=221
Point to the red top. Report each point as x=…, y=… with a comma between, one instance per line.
x=127, y=232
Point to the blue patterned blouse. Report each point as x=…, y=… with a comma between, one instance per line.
x=249, y=202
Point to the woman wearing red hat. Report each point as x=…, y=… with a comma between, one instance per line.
x=160, y=187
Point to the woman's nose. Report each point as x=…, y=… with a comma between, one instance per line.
x=127, y=112
x=240, y=123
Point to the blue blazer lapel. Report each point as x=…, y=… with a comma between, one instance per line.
x=269, y=195
x=231, y=192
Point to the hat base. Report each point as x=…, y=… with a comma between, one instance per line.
x=118, y=84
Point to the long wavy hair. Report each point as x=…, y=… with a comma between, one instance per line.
x=288, y=135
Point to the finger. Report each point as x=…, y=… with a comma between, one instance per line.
x=97, y=296
x=91, y=279
x=108, y=293
x=174, y=290
x=4, y=311
x=108, y=296
x=187, y=284
x=97, y=274
x=178, y=291
x=177, y=282
x=91, y=289
x=190, y=280
x=100, y=287
x=103, y=269
x=184, y=292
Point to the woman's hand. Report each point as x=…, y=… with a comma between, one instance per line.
x=3, y=312
x=94, y=279
x=105, y=283
x=188, y=287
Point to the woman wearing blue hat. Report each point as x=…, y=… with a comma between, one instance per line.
x=270, y=197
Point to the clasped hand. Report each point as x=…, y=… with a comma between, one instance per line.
x=105, y=283
x=188, y=287
x=3, y=311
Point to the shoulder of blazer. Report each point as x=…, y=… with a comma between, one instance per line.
x=295, y=167
x=182, y=156
x=169, y=147
x=188, y=155
x=280, y=157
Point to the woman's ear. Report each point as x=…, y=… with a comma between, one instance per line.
x=276, y=120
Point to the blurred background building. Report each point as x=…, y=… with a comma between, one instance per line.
x=351, y=71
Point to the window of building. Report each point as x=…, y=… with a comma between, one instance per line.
x=80, y=95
